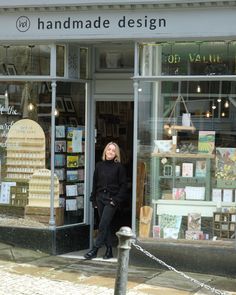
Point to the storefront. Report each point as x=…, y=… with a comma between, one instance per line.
x=72, y=72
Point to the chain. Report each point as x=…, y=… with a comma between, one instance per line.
x=202, y=285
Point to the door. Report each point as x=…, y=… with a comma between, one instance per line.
x=114, y=122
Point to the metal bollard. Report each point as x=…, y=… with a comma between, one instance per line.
x=124, y=235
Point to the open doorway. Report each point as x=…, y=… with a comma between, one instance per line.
x=114, y=122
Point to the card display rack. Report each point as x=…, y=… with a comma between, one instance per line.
x=168, y=179
x=224, y=224
x=40, y=189
x=69, y=166
x=25, y=150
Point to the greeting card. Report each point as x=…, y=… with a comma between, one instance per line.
x=178, y=193
x=200, y=169
x=194, y=221
x=60, y=131
x=59, y=160
x=187, y=169
x=206, y=142
x=72, y=161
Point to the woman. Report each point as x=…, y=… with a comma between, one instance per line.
x=109, y=190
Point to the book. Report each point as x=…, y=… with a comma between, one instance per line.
x=194, y=221
x=200, y=170
x=187, y=169
x=206, y=142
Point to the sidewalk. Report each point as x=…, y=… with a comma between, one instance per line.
x=30, y=272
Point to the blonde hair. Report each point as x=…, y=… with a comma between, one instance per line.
x=117, y=150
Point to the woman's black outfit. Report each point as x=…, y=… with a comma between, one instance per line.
x=109, y=190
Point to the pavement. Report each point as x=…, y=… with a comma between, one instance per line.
x=28, y=272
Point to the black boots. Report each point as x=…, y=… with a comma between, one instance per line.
x=92, y=253
x=108, y=253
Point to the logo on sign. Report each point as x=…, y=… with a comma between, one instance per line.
x=23, y=23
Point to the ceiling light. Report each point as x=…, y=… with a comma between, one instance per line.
x=226, y=104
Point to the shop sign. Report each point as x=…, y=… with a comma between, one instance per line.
x=117, y=24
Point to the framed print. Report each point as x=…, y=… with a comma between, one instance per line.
x=11, y=69
x=60, y=104
x=69, y=105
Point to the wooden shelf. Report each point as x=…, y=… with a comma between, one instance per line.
x=183, y=155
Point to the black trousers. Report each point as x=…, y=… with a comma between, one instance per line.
x=106, y=213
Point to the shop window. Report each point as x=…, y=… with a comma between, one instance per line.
x=60, y=60
x=25, y=60
x=186, y=143
x=115, y=59
x=188, y=58
x=188, y=149
x=25, y=154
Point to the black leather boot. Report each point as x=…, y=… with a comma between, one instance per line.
x=108, y=253
x=91, y=254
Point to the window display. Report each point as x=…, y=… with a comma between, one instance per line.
x=25, y=154
x=186, y=140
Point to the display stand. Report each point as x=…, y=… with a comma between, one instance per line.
x=25, y=150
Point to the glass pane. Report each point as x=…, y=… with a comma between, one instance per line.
x=25, y=60
x=60, y=60
x=188, y=58
x=70, y=149
x=25, y=179
x=83, y=63
x=25, y=148
x=186, y=148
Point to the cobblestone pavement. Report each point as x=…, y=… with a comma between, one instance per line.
x=25, y=284
x=26, y=272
